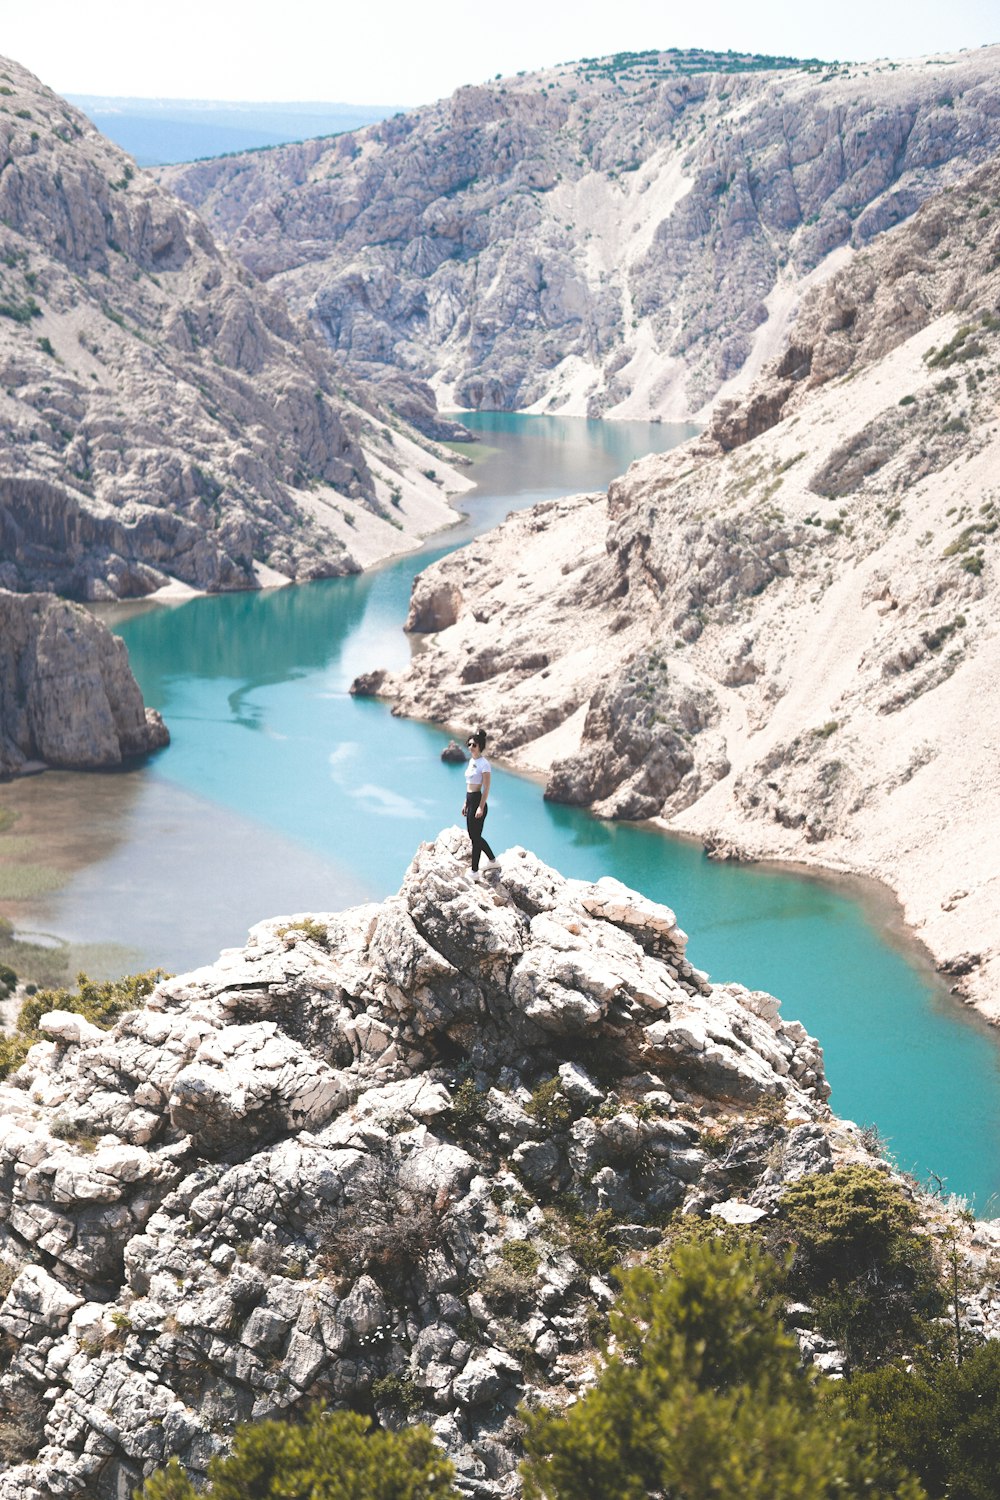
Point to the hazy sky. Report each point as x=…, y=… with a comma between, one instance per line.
x=413, y=51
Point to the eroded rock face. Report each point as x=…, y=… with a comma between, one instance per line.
x=642, y=749
x=161, y=415
x=615, y=237
x=296, y=1172
x=67, y=695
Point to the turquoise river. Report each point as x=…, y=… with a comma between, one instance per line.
x=280, y=793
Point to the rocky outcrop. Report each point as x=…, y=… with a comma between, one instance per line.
x=67, y=696
x=782, y=636
x=381, y=1158
x=161, y=415
x=622, y=237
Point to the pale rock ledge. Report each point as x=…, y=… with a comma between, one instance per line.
x=292, y=1173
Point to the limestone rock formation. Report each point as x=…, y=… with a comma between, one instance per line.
x=783, y=636
x=67, y=696
x=341, y=1164
x=161, y=415
x=622, y=236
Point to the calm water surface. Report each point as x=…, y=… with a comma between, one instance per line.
x=280, y=793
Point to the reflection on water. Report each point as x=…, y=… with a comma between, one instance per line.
x=280, y=793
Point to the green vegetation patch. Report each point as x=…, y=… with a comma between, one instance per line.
x=24, y=881
x=100, y=1003
x=960, y=347
x=20, y=311
x=704, y=1395
x=549, y=1106
x=857, y=1260
x=330, y=1456
x=308, y=927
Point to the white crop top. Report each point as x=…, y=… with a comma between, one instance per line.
x=475, y=770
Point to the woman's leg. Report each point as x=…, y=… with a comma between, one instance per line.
x=474, y=825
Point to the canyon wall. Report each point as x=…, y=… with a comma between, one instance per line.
x=67, y=696
x=624, y=237
x=783, y=636
x=161, y=415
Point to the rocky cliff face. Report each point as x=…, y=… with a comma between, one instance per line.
x=381, y=1158
x=67, y=696
x=783, y=636
x=161, y=416
x=620, y=237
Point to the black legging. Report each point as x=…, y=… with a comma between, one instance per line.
x=475, y=827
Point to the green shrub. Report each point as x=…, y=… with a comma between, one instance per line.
x=587, y=1237
x=515, y=1279
x=521, y=1257
x=101, y=1003
x=308, y=927
x=942, y=1420
x=549, y=1106
x=331, y=1456
x=856, y=1257
x=704, y=1397
x=396, y=1390
x=468, y=1107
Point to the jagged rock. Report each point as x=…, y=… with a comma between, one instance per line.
x=453, y=754
x=67, y=696
x=368, y=684
x=250, y=1083
x=344, y=1137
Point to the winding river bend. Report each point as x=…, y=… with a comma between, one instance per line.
x=282, y=794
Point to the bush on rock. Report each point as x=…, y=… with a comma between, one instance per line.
x=330, y=1456
x=100, y=1002
x=704, y=1395
x=856, y=1258
x=943, y=1420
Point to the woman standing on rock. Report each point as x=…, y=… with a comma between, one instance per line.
x=477, y=790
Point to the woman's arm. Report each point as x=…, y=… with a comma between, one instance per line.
x=481, y=809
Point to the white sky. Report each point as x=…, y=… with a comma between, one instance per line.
x=414, y=51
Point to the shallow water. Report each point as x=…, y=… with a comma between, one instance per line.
x=280, y=793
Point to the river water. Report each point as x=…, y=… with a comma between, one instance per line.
x=282, y=794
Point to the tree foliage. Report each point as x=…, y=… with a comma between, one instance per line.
x=704, y=1396
x=942, y=1419
x=330, y=1456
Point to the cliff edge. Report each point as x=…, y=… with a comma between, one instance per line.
x=374, y=1156
x=67, y=695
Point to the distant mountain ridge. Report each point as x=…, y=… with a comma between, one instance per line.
x=625, y=236
x=160, y=131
